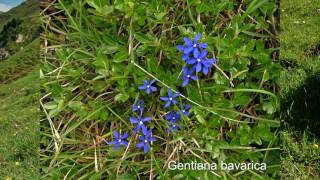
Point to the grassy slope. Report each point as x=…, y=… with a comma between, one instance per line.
x=26, y=9
x=19, y=128
x=19, y=63
x=300, y=23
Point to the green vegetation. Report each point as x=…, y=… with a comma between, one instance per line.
x=19, y=127
x=27, y=9
x=103, y=50
x=300, y=87
x=20, y=63
x=19, y=93
x=19, y=27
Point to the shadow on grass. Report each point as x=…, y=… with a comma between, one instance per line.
x=301, y=106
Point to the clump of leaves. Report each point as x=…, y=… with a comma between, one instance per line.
x=112, y=47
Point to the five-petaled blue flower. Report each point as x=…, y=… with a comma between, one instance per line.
x=185, y=109
x=170, y=99
x=119, y=140
x=173, y=116
x=188, y=74
x=140, y=123
x=148, y=86
x=173, y=127
x=138, y=106
x=145, y=140
x=191, y=46
x=201, y=62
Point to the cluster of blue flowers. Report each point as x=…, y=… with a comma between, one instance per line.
x=140, y=123
x=195, y=56
x=174, y=116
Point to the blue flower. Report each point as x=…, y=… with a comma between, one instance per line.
x=185, y=109
x=190, y=46
x=173, y=127
x=173, y=116
x=119, y=140
x=148, y=86
x=201, y=62
x=145, y=140
x=188, y=74
x=138, y=106
x=170, y=99
x=140, y=123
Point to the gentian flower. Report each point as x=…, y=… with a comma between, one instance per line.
x=201, y=62
x=188, y=74
x=170, y=99
x=173, y=127
x=148, y=86
x=191, y=46
x=119, y=140
x=138, y=106
x=185, y=109
x=173, y=116
x=140, y=123
x=145, y=140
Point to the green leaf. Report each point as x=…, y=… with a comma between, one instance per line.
x=110, y=49
x=244, y=133
x=121, y=97
x=268, y=107
x=120, y=56
x=50, y=105
x=199, y=116
x=143, y=38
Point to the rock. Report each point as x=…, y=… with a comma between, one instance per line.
x=19, y=38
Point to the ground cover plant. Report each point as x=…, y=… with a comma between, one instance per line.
x=128, y=86
x=19, y=124
x=299, y=37
x=19, y=93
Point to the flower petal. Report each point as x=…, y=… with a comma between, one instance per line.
x=147, y=119
x=191, y=61
x=116, y=147
x=185, y=82
x=116, y=134
x=112, y=142
x=180, y=47
x=205, y=70
x=145, y=148
x=176, y=95
x=196, y=39
x=136, y=129
x=153, y=88
x=144, y=130
x=196, y=53
x=133, y=120
x=174, y=101
x=152, y=139
x=198, y=67
x=203, y=54
x=203, y=45
x=125, y=143
x=148, y=91
x=167, y=104
x=142, y=87
x=140, y=144
x=194, y=78
x=164, y=98
x=169, y=92
x=187, y=41
x=152, y=81
x=188, y=50
x=185, y=56
x=125, y=135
